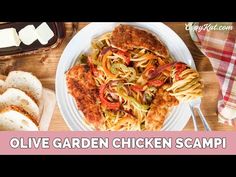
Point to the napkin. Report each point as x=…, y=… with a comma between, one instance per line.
x=217, y=42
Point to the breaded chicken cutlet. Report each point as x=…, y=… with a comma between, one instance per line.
x=126, y=37
x=82, y=87
x=159, y=109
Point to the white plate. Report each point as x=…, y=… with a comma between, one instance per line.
x=81, y=42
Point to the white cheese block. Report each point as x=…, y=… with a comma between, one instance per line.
x=28, y=34
x=44, y=33
x=9, y=38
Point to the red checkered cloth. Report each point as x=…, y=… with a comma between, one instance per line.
x=220, y=47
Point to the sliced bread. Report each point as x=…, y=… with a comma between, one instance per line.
x=13, y=118
x=26, y=82
x=16, y=97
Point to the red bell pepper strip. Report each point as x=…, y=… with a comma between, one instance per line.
x=104, y=101
x=137, y=88
x=153, y=72
x=180, y=67
x=93, y=68
x=155, y=83
x=125, y=55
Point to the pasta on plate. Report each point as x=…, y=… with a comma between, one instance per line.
x=128, y=81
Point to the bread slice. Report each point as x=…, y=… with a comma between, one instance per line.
x=16, y=97
x=13, y=118
x=26, y=82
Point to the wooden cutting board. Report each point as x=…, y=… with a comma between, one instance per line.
x=2, y=77
x=47, y=108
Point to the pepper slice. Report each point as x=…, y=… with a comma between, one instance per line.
x=124, y=68
x=140, y=88
x=180, y=67
x=155, y=83
x=104, y=64
x=137, y=88
x=132, y=100
x=93, y=67
x=104, y=101
x=152, y=72
x=125, y=55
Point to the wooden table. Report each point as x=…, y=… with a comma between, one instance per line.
x=46, y=73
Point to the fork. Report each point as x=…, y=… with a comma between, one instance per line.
x=195, y=104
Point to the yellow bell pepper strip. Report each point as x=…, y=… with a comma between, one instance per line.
x=104, y=64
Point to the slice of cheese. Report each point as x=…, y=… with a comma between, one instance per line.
x=9, y=38
x=44, y=33
x=28, y=34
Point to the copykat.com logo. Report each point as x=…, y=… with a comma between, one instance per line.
x=198, y=27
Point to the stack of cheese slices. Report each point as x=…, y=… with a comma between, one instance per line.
x=20, y=95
